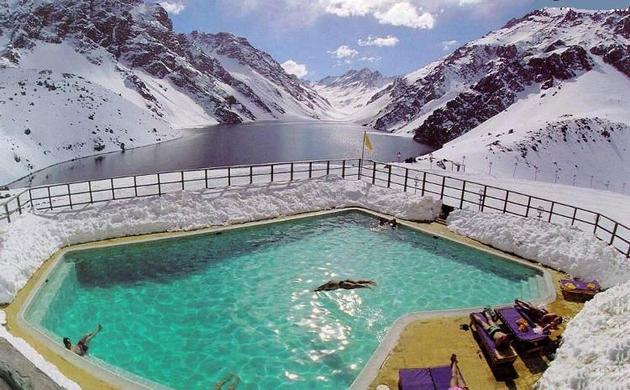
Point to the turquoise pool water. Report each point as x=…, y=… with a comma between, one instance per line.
x=185, y=312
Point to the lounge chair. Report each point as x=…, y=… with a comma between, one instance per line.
x=424, y=378
x=495, y=356
x=529, y=339
x=576, y=289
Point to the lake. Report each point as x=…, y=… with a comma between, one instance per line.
x=221, y=145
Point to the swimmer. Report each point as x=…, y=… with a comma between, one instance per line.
x=346, y=284
x=81, y=348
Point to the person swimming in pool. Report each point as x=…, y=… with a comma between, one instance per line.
x=230, y=382
x=392, y=223
x=81, y=348
x=346, y=284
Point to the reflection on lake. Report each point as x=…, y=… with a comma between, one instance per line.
x=252, y=143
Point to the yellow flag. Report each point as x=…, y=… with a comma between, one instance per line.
x=366, y=142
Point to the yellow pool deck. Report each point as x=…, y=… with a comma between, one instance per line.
x=428, y=343
x=423, y=343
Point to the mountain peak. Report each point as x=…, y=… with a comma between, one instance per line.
x=364, y=77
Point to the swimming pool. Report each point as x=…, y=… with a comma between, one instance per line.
x=185, y=312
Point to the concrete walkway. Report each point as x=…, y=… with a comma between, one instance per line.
x=17, y=372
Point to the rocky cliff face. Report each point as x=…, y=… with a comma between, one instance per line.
x=448, y=98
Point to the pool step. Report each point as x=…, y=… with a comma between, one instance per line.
x=441, y=221
x=533, y=287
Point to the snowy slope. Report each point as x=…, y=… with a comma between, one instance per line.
x=50, y=116
x=284, y=94
x=568, y=133
x=350, y=93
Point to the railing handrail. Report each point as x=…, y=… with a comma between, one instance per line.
x=188, y=170
x=511, y=191
x=371, y=168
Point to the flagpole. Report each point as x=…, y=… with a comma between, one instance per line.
x=362, y=152
x=363, y=144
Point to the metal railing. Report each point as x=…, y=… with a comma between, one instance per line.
x=465, y=194
x=455, y=192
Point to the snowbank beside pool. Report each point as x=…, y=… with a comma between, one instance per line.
x=27, y=243
x=595, y=353
x=37, y=359
x=562, y=247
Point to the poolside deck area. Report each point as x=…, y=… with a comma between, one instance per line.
x=430, y=342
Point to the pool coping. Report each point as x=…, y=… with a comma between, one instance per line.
x=121, y=378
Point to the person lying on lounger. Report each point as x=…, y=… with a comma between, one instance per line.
x=457, y=380
x=546, y=319
x=82, y=346
x=493, y=328
x=346, y=284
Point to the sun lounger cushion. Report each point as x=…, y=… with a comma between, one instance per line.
x=441, y=377
x=572, y=285
x=509, y=316
x=415, y=379
x=434, y=378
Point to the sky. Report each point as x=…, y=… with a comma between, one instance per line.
x=317, y=38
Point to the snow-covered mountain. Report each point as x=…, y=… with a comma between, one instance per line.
x=543, y=49
x=547, y=97
x=350, y=92
x=79, y=77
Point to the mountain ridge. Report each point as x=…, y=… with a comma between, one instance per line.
x=349, y=93
x=538, y=48
x=126, y=52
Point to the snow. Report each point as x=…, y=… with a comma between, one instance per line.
x=49, y=117
x=38, y=360
x=562, y=247
x=273, y=94
x=348, y=101
x=585, y=109
x=181, y=111
x=57, y=106
x=349, y=93
x=33, y=238
x=596, y=343
x=595, y=353
x=531, y=33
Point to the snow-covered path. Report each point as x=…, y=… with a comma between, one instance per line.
x=612, y=204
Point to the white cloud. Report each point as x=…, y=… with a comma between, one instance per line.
x=370, y=59
x=344, y=51
x=470, y=2
x=292, y=67
x=448, y=44
x=407, y=15
x=173, y=7
x=416, y=14
x=389, y=40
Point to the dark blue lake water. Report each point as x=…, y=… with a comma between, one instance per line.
x=252, y=143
